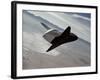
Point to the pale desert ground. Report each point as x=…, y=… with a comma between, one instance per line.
x=73, y=54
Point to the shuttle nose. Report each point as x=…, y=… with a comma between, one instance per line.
x=76, y=37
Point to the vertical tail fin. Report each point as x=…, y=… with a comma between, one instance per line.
x=67, y=31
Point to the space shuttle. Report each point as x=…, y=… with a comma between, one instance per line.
x=57, y=38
